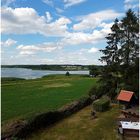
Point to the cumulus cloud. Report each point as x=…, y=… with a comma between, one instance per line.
x=81, y=56
x=68, y=3
x=77, y=38
x=8, y=43
x=131, y=4
x=92, y=20
x=33, y=49
x=27, y=21
x=93, y=50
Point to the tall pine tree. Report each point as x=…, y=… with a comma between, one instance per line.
x=111, y=76
x=121, y=56
x=130, y=50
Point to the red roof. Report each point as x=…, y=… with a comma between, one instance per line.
x=125, y=95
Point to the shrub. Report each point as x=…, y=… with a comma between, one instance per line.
x=101, y=104
x=97, y=91
x=67, y=73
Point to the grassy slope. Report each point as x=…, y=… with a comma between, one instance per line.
x=81, y=126
x=28, y=97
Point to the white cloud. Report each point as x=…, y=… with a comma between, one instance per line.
x=27, y=53
x=93, y=50
x=130, y=1
x=7, y=2
x=48, y=16
x=8, y=43
x=69, y=3
x=77, y=38
x=33, y=49
x=81, y=56
x=48, y=2
x=27, y=21
x=131, y=4
x=59, y=10
x=93, y=20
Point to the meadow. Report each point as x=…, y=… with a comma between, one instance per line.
x=22, y=99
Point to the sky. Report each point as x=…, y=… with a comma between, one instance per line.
x=57, y=31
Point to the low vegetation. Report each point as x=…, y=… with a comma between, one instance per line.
x=101, y=104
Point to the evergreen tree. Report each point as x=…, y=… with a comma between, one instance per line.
x=94, y=71
x=111, y=76
x=67, y=73
x=111, y=55
x=129, y=38
x=121, y=56
x=130, y=50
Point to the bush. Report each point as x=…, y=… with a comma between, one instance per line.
x=40, y=121
x=67, y=73
x=101, y=104
x=97, y=91
x=93, y=91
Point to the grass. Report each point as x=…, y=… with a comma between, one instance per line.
x=80, y=126
x=25, y=98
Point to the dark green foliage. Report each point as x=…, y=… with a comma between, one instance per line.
x=97, y=91
x=101, y=104
x=95, y=70
x=38, y=122
x=111, y=54
x=49, y=67
x=67, y=73
x=129, y=38
x=121, y=56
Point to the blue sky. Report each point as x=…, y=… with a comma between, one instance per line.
x=57, y=31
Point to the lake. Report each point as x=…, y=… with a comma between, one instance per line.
x=33, y=74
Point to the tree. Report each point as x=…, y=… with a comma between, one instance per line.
x=129, y=38
x=111, y=76
x=130, y=50
x=111, y=53
x=67, y=73
x=121, y=56
x=93, y=71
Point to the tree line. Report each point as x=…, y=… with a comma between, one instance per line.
x=49, y=67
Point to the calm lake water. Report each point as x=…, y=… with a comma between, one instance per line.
x=32, y=74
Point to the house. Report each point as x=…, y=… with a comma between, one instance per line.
x=126, y=98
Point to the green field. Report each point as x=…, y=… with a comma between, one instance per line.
x=25, y=98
